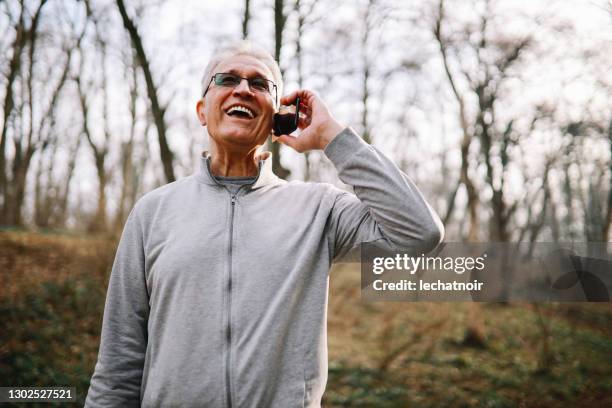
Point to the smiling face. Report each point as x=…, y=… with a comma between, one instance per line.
x=238, y=117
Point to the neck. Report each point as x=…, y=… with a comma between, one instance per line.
x=231, y=163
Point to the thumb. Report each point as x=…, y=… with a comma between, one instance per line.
x=288, y=99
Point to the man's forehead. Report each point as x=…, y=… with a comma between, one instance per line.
x=244, y=65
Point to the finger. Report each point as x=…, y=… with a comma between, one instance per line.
x=304, y=121
x=305, y=108
x=303, y=116
x=290, y=98
x=304, y=94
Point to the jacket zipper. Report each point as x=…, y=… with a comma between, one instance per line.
x=228, y=330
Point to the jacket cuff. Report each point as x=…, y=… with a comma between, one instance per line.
x=344, y=146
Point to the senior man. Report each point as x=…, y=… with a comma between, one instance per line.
x=218, y=292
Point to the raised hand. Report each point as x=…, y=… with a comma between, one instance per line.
x=317, y=125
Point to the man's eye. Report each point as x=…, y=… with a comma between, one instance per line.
x=227, y=80
x=260, y=84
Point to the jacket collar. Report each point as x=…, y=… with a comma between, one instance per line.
x=265, y=175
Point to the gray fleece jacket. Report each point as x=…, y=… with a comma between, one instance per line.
x=220, y=300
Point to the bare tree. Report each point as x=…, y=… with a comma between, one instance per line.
x=12, y=190
x=367, y=67
x=304, y=18
x=464, y=178
x=50, y=196
x=39, y=144
x=595, y=206
x=376, y=15
x=128, y=169
x=14, y=67
x=99, y=151
x=280, y=19
x=45, y=201
x=157, y=109
x=23, y=151
x=535, y=226
x=605, y=234
x=484, y=85
x=246, y=16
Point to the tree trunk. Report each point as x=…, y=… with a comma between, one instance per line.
x=300, y=74
x=13, y=70
x=279, y=25
x=41, y=211
x=245, y=19
x=127, y=151
x=569, y=202
x=608, y=214
x=365, y=84
x=62, y=206
x=464, y=178
x=10, y=208
x=99, y=153
x=157, y=110
x=99, y=222
x=23, y=158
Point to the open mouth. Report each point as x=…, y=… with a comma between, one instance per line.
x=240, y=111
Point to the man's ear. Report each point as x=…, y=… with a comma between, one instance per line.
x=200, y=111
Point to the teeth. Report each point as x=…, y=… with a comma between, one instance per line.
x=241, y=109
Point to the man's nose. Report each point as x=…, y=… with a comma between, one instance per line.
x=243, y=88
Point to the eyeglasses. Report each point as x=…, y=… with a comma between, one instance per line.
x=256, y=84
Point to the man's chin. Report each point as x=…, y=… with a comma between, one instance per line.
x=244, y=137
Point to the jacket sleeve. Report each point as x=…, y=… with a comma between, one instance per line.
x=387, y=208
x=117, y=377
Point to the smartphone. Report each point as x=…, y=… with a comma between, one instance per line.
x=286, y=122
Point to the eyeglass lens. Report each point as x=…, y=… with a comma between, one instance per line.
x=257, y=83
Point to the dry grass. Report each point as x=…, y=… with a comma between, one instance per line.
x=465, y=354
x=392, y=354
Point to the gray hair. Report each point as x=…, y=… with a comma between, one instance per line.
x=249, y=49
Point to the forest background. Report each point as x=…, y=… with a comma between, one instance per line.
x=499, y=110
